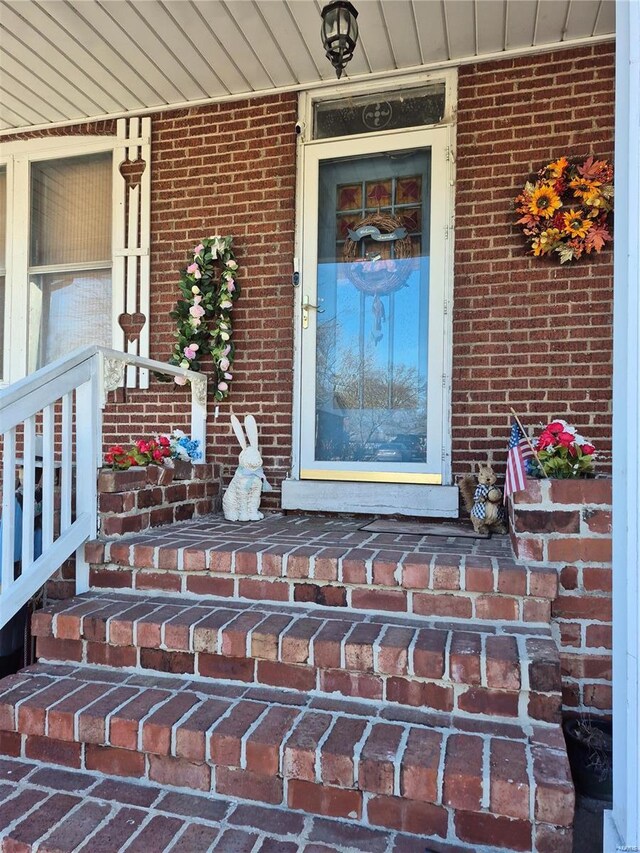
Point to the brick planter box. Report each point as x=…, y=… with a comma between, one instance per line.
x=567, y=524
x=139, y=498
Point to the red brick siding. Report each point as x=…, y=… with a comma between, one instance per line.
x=567, y=524
x=528, y=332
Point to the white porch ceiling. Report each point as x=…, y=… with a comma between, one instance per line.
x=69, y=60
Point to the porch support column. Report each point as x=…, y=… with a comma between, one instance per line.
x=622, y=824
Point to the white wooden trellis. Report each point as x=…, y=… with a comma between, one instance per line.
x=131, y=244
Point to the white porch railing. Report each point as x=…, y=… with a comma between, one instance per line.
x=65, y=401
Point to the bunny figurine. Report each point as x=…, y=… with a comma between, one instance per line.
x=241, y=501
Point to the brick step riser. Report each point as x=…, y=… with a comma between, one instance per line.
x=481, y=698
x=372, y=811
x=520, y=597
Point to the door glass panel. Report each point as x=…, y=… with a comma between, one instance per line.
x=373, y=295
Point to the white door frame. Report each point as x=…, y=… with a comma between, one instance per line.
x=411, y=137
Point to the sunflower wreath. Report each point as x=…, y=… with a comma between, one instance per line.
x=209, y=288
x=566, y=209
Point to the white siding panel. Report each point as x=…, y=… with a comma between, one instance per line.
x=521, y=24
x=62, y=106
x=374, y=36
x=15, y=92
x=237, y=45
x=51, y=67
x=282, y=23
x=37, y=35
x=110, y=68
x=199, y=78
x=141, y=65
x=606, y=19
x=462, y=36
x=399, y=22
x=203, y=38
x=490, y=23
x=551, y=18
x=136, y=20
x=582, y=18
x=248, y=17
x=431, y=30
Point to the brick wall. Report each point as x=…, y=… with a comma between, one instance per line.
x=567, y=524
x=528, y=332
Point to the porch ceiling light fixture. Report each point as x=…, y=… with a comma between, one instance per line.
x=339, y=33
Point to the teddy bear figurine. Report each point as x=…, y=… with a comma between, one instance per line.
x=483, y=500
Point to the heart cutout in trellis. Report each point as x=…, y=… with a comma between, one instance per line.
x=132, y=324
x=131, y=171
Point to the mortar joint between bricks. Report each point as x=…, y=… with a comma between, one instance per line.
x=357, y=751
x=376, y=647
x=283, y=742
x=532, y=788
x=319, y=748
x=523, y=655
x=343, y=646
x=486, y=773
x=397, y=764
x=432, y=571
x=446, y=675
x=245, y=737
x=483, y=660
x=441, y=766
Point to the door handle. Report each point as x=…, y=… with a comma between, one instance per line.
x=306, y=307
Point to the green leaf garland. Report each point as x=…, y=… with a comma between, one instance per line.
x=209, y=288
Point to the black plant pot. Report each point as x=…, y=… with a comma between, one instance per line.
x=590, y=751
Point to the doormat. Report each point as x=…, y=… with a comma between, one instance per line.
x=423, y=528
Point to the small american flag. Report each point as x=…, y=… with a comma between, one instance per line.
x=519, y=452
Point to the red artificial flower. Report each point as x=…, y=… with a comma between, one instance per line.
x=116, y=449
x=109, y=458
x=142, y=445
x=555, y=427
x=158, y=455
x=163, y=441
x=545, y=440
x=566, y=439
x=588, y=449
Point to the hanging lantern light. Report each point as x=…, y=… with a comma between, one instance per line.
x=339, y=33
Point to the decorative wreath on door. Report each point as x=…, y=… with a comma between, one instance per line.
x=372, y=274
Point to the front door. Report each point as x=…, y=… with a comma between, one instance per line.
x=374, y=396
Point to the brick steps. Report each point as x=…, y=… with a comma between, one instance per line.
x=462, y=781
x=288, y=560
x=54, y=809
x=504, y=671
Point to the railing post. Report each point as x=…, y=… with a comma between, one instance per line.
x=199, y=412
x=88, y=453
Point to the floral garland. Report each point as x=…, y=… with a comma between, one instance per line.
x=203, y=314
x=566, y=209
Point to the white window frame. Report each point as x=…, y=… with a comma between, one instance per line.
x=306, y=143
x=129, y=261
